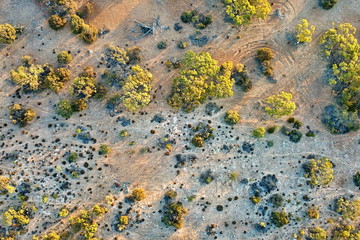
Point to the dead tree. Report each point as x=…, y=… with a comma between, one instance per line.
x=142, y=29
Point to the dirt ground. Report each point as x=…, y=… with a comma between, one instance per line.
x=299, y=69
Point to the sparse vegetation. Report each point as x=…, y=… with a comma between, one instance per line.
x=349, y=209
x=174, y=214
x=138, y=194
x=259, y=132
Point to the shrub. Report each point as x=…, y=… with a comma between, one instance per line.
x=242, y=12
x=162, y=45
x=316, y=233
x=241, y=77
x=6, y=185
x=197, y=141
x=207, y=177
x=203, y=133
x=304, y=31
x=21, y=116
x=64, y=109
x=267, y=68
x=328, y=4
x=83, y=87
x=277, y=200
x=348, y=208
x=72, y=157
x=233, y=176
x=272, y=129
x=12, y=217
x=319, y=171
x=123, y=223
x=134, y=55
x=187, y=17
x=56, y=22
x=174, y=215
x=259, y=132
x=98, y=211
x=51, y=236
x=280, y=219
x=232, y=117
x=7, y=33
x=104, y=149
x=265, y=54
x=313, y=212
x=356, y=178
x=77, y=24
x=64, y=212
x=89, y=33
x=64, y=57
x=138, y=195
x=255, y=199
x=171, y=194
x=340, y=121
x=280, y=105
x=114, y=55
x=182, y=44
x=79, y=105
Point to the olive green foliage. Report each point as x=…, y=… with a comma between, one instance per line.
x=259, y=132
x=243, y=11
x=123, y=223
x=21, y=116
x=56, y=22
x=7, y=33
x=255, y=199
x=114, y=55
x=304, y=31
x=64, y=7
x=319, y=171
x=207, y=177
x=277, y=200
x=51, y=236
x=232, y=117
x=84, y=221
x=77, y=24
x=264, y=55
x=138, y=194
x=104, y=149
x=171, y=194
x=272, y=129
x=316, y=233
x=345, y=232
x=86, y=10
x=87, y=32
x=356, y=178
x=162, y=45
x=294, y=135
x=63, y=212
x=200, y=78
x=339, y=120
x=241, y=77
x=174, y=215
x=83, y=87
x=348, y=208
x=343, y=50
x=182, y=44
x=79, y=105
x=203, y=133
x=200, y=21
x=64, y=57
x=328, y=4
x=98, y=211
x=32, y=77
x=280, y=218
x=135, y=93
x=72, y=157
x=15, y=217
x=64, y=109
x=313, y=212
x=6, y=185
x=280, y=105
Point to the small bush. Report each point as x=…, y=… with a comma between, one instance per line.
x=356, y=178
x=79, y=105
x=174, y=215
x=265, y=54
x=316, y=233
x=64, y=212
x=123, y=223
x=207, y=177
x=171, y=194
x=138, y=195
x=64, y=57
x=232, y=117
x=188, y=16
x=348, y=208
x=77, y=24
x=277, y=200
x=56, y=22
x=259, y=132
x=280, y=219
x=272, y=129
x=72, y=157
x=319, y=171
x=182, y=44
x=104, y=149
x=162, y=45
x=328, y=4
x=313, y=212
x=89, y=33
x=7, y=33
x=291, y=120
x=340, y=121
x=64, y=109
x=21, y=116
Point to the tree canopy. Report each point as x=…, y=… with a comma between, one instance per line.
x=304, y=31
x=280, y=105
x=7, y=33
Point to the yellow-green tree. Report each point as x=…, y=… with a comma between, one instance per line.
x=136, y=90
x=83, y=87
x=7, y=33
x=12, y=216
x=348, y=208
x=316, y=233
x=5, y=185
x=243, y=11
x=319, y=171
x=304, y=31
x=200, y=78
x=280, y=105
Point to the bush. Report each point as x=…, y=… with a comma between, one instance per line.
x=356, y=178
x=64, y=212
x=277, y=200
x=174, y=215
x=280, y=105
x=348, y=208
x=241, y=77
x=79, y=105
x=83, y=87
x=272, y=129
x=280, y=219
x=6, y=185
x=259, y=132
x=319, y=171
x=64, y=57
x=304, y=31
x=123, y=223
x=265, y=54
x=207, y=177
x=19, y=217
x=7, y=33
x=171, y=194
x=182, y=44
x=197, y=141
x=89, y=33
x=77, y=24
x=21, y=116
x=328, y=4
x=104, y=149
x=267, y=68
x=242, y=12
x=162, y=45
x=340, y=121
x=64, y=109
x=187, y=17
x=56, y=22
x=316, y=233
x=138, y=195
x=232, y=117
x=72, y=157
x=313, y=212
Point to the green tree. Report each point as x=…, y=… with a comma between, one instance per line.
x=280, y=219
x=316, y=233
x=280, y=105
x=137, y=88
x=64, y=57
x=304, y=31
x=174, y=215
x=348, y=208
x=64, y=108
x=232, y=117
x=7, y=33
x=89, y=33
x=83, y=87
x=259, y=132
x=138, y=194
x=21, y=116
x=56, y=22
x=77, y=24
x=320, y=171
x=200, y=78
x=264, y=54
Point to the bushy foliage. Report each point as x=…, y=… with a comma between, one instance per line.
x=200, y=78
x=7, y=33
x=89, y=33
x=202, y=133
x=328, y=4
x=15, y=217
x=83, y=87
x=304, y=31
x=243, y=11
x=114, y=55
x=104, y=149
x=56, y=22
x=356, y=178
x=64, y=57
x=345, y=231
x=232, y=117
x=265, y=54
x=182, y=44
x=51, y=236
x=280, y=218
x=313, y=212
x=259, y=132
x=174, y=215
x=277, y=200
x=64, y=109
x=123, y=223
x=200, y=21
x=63, y=212
x=316, y=233
x=77, y=24
x=6, y=186
x=348, y=208
x=340, y=121
x=79, y=105
x=138, y=194
x=241, y=77
x=21, y=116
x=280, y=105
x=319, y=171
x=135, y=93
x=162, y=45
x=85, y=222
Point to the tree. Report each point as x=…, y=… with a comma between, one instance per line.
x=138, y=194
x=174, y=215
x=7, y=33
x=232, y=117
x=280, y=105
x=356, y=179
x=6, y=186
x=313, y=212
x=304, y=31
x=316, y=233
x=83, y=87
x=136, y=90
x=21, y=116
x=89, y=33
x=64, y=57
x=79, y=105
x=77, y=24
x=328, y=4
x=265, y=54
x=243, y=11
x=64, y=109
x=320, y=171
x=104, y=149
x=200, y=78
x=15, y=217
x=56, y=22
x=259, y=132
x=280, y=219
x=348, y=208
